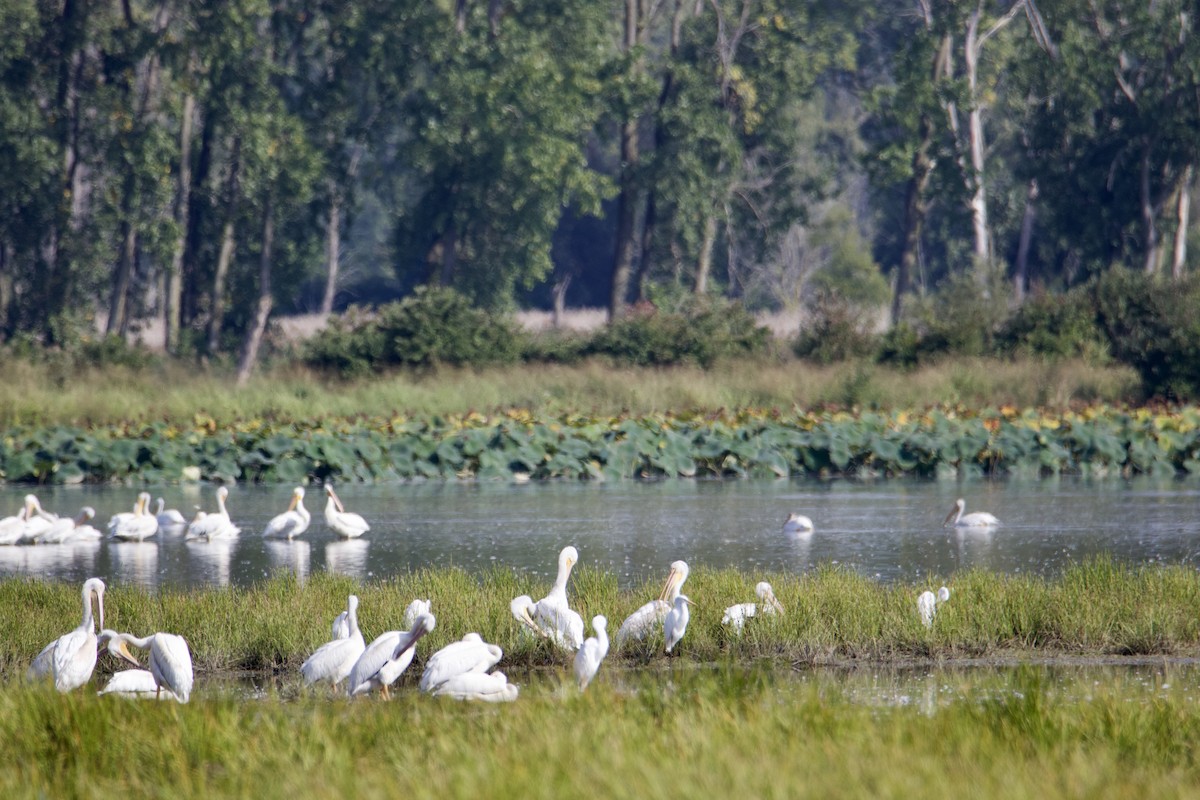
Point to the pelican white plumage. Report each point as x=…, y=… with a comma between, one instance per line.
x=70, y=658
x=976, y=519
x=169, y=519
x=37, y=520
x=489, y=688
x=70, y=530
x=292, y=522
x=675, y=625
x=137, y=527
x=471, y=654
x=641, y=622
x=136, y=684
x=170, y=659
x=928, y=602
x=345, y=524
x=12, y=529
x=593, y=651
x=214, y=526
x=386, y=658
x=736, y=615
x=797, y=525
x=341, y=626
x=562, y=625
x=333, y=660
x=415, y=609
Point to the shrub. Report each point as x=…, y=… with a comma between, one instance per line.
x=1056, y=325
x=703, y=334
x=837, y=332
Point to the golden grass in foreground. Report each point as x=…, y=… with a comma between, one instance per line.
x=34, y=395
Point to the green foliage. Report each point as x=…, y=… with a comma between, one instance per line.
x=1056, y=326
x=836, y=331
x=703, y=334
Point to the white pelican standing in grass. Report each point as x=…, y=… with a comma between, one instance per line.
x=386, y=658
x=136, y=684
x=797, y=525
x=675, y=625
x=341, y=627
x=169, y=519
x=737, y=615
x=170, y=659
x=333, y=660
x=345, y=524
x=292, y=522
x=928, y=602
x=415, y=609
x=493, y=688
x=587, y=660
x=552, y=616
x=641, y=622
x=976, y=519
x=214, y=526
x=470, y=654
x=70, y=658
x=71, y=530
x=137, y=526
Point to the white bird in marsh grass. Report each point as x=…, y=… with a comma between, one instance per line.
x=341, y=627
x=928, y=602
x=66, y=530
x=552, y=616
x=217, y=525
x=170, y=659
x=386, y=658
x=345, y=524
x=470, y=654
x=169, y=519
x=70, y=658
x=675, y=625
x=136, y=684
x=292, y=522
x=641, y=622
x=136, y=527
x=493, y=688
x=736, y=616
x=415, y=609
x=333, y=660
x=797, y=525
x=593, y=651
x=976, y=519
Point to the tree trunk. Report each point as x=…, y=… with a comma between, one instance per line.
x=704, y=262
x=1021, y=272
x=627, y=202
x=1183, y=208
x=118, y=311
x=560, y=300
x=196, y=218
x=227, y=248
x=1151, y=240
x=915, y=208
x=332, y=249
x=173, y=307
x=254, y=335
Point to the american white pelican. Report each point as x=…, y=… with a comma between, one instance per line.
x=135, y=684
x=71, y=657
x=737, y=615
x=341, y=626
x=214, y=526
x=976, y=519
x=12, y=529
x=675, y=625
x=70, y=530
x=386, y=658
x=593, y=651
x=344, y=523
x=137, y=526
x=927, y=604
x=333, y=660
x=493, y=688
x=169, y=519
x=170, y=659
x=292, y=522
x=471, y=654
x=415, y=609
x=554, y=615
x=37, y=520
x=797, y=524
x=648, y=617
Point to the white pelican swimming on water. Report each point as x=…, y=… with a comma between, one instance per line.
x=593, y=651
x=552, y=616
x=470, y=654
x=976, y=519
x=135, y=684
x=675, y=625
x=345, y=524
x=493, y=688
x=70, y=530
x=292, y=522
x=214, y=526
x=37, y=520
x=12, y=529
x=646, y=619
x=928, y=602
x=170, y=659
x=139, y=525
x=737, y=615
x=169, y=519
x=797, y=524
x=71, y=657
x=386, y=658
x=333, y=660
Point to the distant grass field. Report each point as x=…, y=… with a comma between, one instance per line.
x=41, y=394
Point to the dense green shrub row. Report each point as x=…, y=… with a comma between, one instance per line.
x=1099, y=441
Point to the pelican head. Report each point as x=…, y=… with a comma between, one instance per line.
x=117, y=646
x=767, y=595
x=568, y=558
x=32, y=506
x=682, y=600
x=600, y=623
x=675, y=579
x=94, y=587
x=520, y=610
x=332, y=495
x=943, y=594
x=143, y=503
x=423, y=624
x=956, y=512
x=297, y=498
x=86, y=513
x=222, y=493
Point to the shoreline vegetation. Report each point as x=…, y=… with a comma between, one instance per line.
x=1094, y=610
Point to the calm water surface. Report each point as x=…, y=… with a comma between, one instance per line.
x=889, y=529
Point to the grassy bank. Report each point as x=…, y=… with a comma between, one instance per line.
x=688, y=733
x=833, y=616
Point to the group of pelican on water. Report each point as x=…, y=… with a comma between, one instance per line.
x=461, y=670
x=34, y=525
